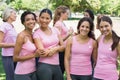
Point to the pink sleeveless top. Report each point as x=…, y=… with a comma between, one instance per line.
x=28, y=66
x=80, y=62
x=106, y=62
x=48, y=41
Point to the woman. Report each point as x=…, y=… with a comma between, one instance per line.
x=49, y=42
x=61, y=14
x=79, y=50
x=7, y=41
x=108, y=51
x=88, y=13
x=98, y=18
x=25, y=50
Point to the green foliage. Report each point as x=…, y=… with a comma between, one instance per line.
x=2, y=6
x=117, y=9
x=29, y=4
x=56, y=3
x=17, y=4
x=98, y=6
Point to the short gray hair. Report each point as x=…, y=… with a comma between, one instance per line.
x=6, y=13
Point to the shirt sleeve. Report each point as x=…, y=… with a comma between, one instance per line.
x=57, y=31
x=3, y=28
x=36, y=34
x=57, y=24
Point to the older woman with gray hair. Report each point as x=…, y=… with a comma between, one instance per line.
x=7, y=41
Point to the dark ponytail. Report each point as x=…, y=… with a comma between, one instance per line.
x=116, y=39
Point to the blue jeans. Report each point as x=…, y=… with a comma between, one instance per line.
x=8, y=66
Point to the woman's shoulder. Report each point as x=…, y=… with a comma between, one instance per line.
x=5, y=25
x=58, y=23
x=100, y=37
x=36, y=31
x=21, y=35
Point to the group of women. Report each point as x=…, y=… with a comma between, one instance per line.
x=59, y=50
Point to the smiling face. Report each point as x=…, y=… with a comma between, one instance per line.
x=29, y=21
x=84, y=28
x=44, y=19
x=105, y=28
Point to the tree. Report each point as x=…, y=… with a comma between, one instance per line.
x=28, y=4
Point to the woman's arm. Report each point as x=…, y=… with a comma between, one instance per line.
x=94, y=54
x=67, y=58
x=18, y=47
x=5, y=45
x=68, y=34
x=58, y=48
x=40, y=47
x=118, y=50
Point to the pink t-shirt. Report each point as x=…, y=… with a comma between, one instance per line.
x=63, y=28
x=106, y=62
x=48, y=41
x=9, y=37
x=80, y=62
x=28, y=66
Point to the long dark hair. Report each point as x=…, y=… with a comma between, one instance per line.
x=115, y=37
x=91, y=33
x=90, y=12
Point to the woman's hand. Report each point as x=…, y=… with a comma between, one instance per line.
x=69, y=78
x=42, y=52
x=71, y=31
x=52, y=51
